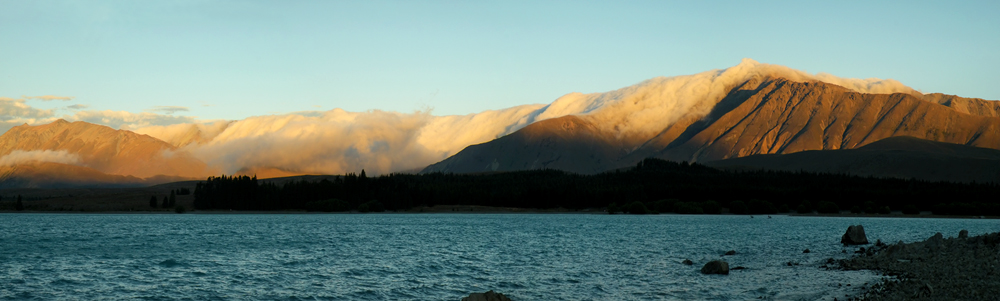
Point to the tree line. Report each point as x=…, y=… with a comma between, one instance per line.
x=170, y=201
x=652, y=186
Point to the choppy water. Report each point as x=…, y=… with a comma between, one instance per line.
x=432, y=256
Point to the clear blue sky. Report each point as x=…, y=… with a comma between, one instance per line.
x=234, y=59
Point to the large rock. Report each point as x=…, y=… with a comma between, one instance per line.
x=855, y=236
x=487, y=296
x=716, y=267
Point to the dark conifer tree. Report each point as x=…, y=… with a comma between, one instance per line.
x=152, y=201
x=173, y=198
x=19, y=206
x=166, y=202
x=658, y=185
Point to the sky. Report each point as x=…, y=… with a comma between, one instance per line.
x=184, y=61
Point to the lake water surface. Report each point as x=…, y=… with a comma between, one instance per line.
x=434, y=256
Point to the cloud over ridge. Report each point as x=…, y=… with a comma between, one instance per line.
x=338, y=141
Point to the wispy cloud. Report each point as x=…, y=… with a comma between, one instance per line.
x=127, y=120
x=48, y=97
x=15, y=108
x=169, y=109
x=14, y=112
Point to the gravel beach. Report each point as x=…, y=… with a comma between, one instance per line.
x=954, y=268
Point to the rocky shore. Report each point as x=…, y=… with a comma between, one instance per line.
x=954, y=268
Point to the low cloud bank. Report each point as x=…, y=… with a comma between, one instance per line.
x=21, y=157
x=337, y=141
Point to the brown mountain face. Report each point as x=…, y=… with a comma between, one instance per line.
x=759, y=116
x=780, y=116
x=100, y=149
x=899, y=157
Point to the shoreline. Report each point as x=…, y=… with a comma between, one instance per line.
x=938, y=268
x=472, y=209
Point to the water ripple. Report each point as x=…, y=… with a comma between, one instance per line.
x=432, y=256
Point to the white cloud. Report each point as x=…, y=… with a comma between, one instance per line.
x=11, y=108
x=14, y=112
x=334, y=142
x=21, y=157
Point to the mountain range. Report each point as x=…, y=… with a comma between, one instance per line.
x=762, y=116
x=750, y=116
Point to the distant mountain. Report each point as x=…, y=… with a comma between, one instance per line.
x=761, y=115
x=80, y=154
x=898, y=157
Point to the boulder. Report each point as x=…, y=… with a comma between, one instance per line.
x=687, y=262
x=716, y=267
x=963, y=234
x=855, y=236
x=935, y=241
x=730, y=252
x=805, y=251
x=487, y=296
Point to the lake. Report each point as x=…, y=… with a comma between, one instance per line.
x=435, y=256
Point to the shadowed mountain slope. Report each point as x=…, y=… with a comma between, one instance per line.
x=567, y=143
x=898, y=157
x=763, y=115
x=57, y=175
